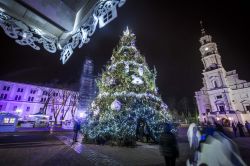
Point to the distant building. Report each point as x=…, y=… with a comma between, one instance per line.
x=25, y=100
x=88, y=88
x=224, y=95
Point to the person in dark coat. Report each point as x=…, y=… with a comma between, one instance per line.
x=146, y=133
x=168, y=146
x=234, y=129
x=247, y=125
x=240, y=127
x=76, y=129
x=219, y=127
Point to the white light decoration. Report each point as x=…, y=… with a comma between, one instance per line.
x=82, y=115
x=116, y=105
x=24, y=35
x=129, y=94
x=206, y=49
x=96, y=111
x=126, y=67
x=133, y=63
x=140, y=71
x=126, y=32
x=59, y=46
x=103, y=12
x=137, y=80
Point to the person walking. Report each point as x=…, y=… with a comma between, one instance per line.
x=247, y=125
x=76, y=129
x=168, y=146
x=141, y=132
x=146, y=133
x=213, y=149
x=240, y=127
x=234, y=129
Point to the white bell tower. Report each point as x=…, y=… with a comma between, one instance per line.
x=210, y=55
x=214, y=80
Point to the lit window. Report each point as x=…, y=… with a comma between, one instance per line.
x=6, y=120
x=12, y=120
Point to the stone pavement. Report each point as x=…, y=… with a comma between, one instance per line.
x=42, y=148
x=57, y=149
x=142, y=155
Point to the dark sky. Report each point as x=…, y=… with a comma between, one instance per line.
x=167, y=35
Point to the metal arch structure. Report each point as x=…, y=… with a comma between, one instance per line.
x=103, y=12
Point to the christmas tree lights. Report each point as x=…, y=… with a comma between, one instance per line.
x=127, y=96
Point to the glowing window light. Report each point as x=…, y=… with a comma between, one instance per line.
x=19, y=111
x=6, y=120
x=12, y=120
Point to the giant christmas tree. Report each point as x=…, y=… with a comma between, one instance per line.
x=127, y=97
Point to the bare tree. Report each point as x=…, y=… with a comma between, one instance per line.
x=47, y=94
x=59, y=100
x=73, y=102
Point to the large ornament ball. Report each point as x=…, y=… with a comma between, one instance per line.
x=116, y=105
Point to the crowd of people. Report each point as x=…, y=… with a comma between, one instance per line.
x=209, y=145
x=240, y=127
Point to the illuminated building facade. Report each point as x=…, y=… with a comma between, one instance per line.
x=223, y=95
x=25, y=100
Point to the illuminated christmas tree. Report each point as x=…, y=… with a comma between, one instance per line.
x=127, y=97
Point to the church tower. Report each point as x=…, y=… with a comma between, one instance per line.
x=215, y=83
x=210, y=55
x=223, y=95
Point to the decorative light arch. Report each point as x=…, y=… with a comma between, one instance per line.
x=103, y=13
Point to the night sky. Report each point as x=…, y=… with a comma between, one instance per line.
x=167, y=35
